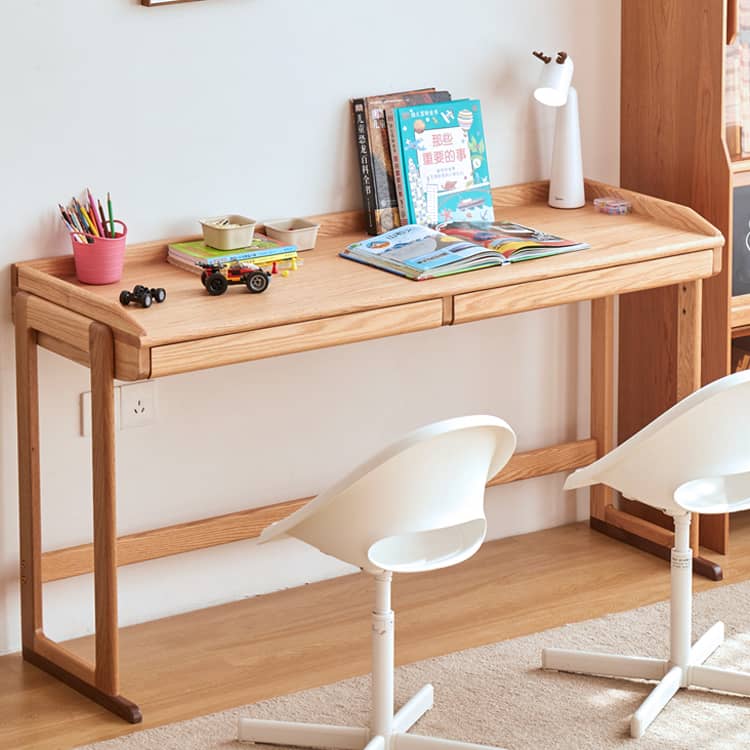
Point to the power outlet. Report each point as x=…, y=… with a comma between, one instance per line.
x=138, y=404
x=86, y=412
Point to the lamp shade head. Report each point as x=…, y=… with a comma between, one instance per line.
x=554, y=83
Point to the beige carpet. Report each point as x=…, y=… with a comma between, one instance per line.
x=497, y=694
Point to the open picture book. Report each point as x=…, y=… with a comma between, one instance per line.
x=418, y=252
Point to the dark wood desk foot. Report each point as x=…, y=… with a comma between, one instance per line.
x=118, y=705
x=701, y=565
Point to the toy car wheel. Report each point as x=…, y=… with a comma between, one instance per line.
x=159, y=294
x=216, y=284
x=146, y=300
x=125, y=297
x=204, y=276
x=139, y=289
x=257, y=282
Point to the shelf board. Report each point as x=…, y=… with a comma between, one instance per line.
x=740, y=164
x=740, y=315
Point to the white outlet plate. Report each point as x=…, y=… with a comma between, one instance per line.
x=86, y=412
x=138, y=404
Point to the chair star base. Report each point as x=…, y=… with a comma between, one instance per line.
x=670, y=677
x=300, y=734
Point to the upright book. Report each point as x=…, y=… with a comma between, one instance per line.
x=379, y=197
x=418, y=252
x=442, y=159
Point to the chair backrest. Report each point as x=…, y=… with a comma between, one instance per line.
x=704, y=435
x=416, y=505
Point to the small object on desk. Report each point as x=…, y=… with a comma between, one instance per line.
x=229, y=232
x=217, y=277
x=143, y=295
x=612, y=205
x=98, y=248
x=300, y=232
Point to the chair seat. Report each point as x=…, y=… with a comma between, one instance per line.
x=721, y=494
x=428, y=550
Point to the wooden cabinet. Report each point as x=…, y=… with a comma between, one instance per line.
x=673, y=146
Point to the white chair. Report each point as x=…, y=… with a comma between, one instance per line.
x=418, y=505
x=693, y=458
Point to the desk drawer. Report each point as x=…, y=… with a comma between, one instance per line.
x=295, y=337
x=602, y=282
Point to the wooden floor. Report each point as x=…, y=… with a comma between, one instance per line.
x=217, y=658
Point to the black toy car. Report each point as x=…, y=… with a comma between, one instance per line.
x=217, y=277
x=142, y=295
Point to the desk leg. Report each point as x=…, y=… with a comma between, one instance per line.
x=101, y=352
x=604, y=515
x=100, y=683
x=602, y=395
x=29, y=498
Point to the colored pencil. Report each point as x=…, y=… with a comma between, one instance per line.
x=94, y=215
x=111, y=215
x=101, y=217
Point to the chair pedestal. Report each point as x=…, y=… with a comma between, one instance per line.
x=684, y=667
x=387, y=731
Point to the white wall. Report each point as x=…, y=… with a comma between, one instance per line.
x=242, y=105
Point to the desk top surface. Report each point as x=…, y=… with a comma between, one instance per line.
x=327, y=286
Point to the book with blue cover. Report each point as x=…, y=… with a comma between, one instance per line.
x=443, y=160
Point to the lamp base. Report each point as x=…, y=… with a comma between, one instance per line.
x=566, y=174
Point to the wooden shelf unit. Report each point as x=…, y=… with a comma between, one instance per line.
x=673, y=146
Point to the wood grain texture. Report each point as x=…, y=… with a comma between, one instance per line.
x=295, y=337
x=534, y=295
x=170, y=540
x=536, y=463
x=602, y=393
x=204, y=661
x=673, y=147
x=29, y=497
x=247, y=524
x=741, y=311
x=639, y=526
x=132, y=362
x=65, y=659
x=63, y=349
x=56, y=321
x=688, y=314
x=105, y=508
x=328, y=286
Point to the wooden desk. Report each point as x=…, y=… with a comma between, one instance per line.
x=330, y=301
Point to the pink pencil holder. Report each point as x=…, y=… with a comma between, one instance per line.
x=101, y=260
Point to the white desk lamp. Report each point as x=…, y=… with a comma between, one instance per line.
x=554, y=90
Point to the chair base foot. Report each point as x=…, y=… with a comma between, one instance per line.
x=300, y=734
x=670, y=677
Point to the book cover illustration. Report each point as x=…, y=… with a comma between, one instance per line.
x=418, y=252
x=444, y=159
x=515, y=241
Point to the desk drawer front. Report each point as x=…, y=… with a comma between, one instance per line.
x=295, y=337
x=582, y=286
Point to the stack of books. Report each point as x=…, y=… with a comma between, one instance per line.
x=262, y=251
x=422, y=159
